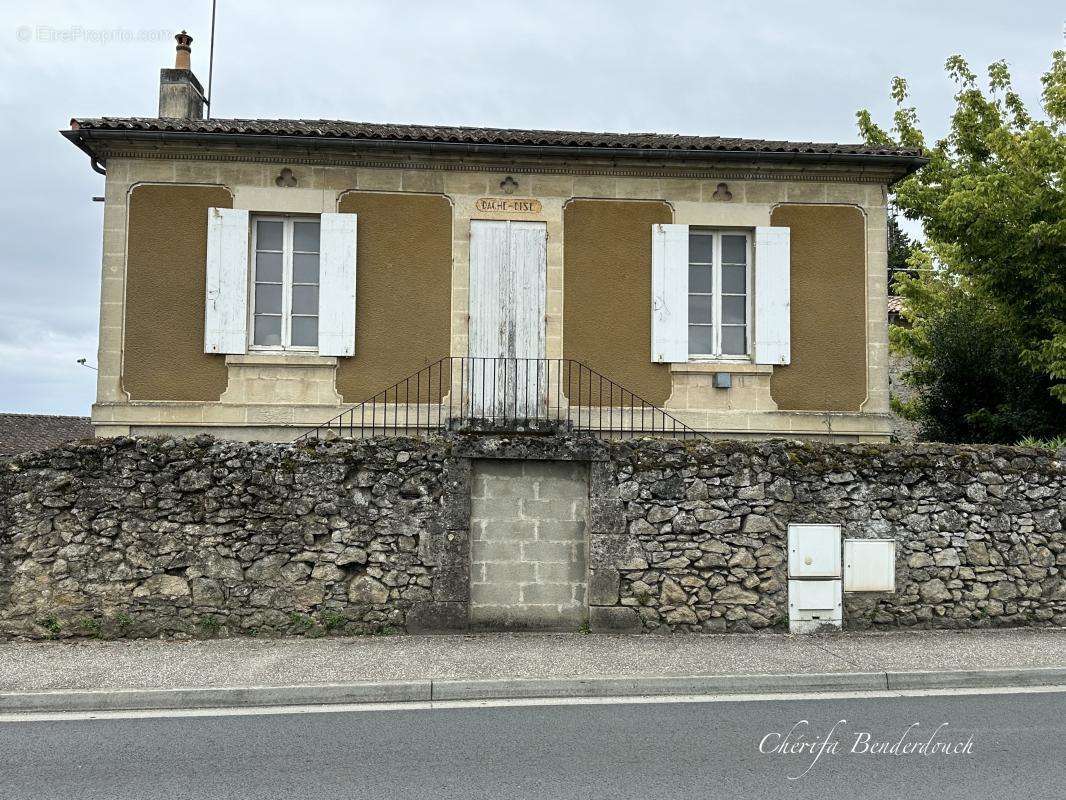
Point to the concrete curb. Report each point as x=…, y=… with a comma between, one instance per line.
x=93, y=700
x=977, y=678
x=494, y=689
x=215, y=697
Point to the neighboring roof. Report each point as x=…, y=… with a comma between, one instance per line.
x=355, y=132
x=23, y=433
x=895, y=304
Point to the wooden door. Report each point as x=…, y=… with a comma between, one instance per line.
x=508, y=262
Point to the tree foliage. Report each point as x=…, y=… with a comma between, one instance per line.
x=966, y=360
x=900, y=250
x=992, y=203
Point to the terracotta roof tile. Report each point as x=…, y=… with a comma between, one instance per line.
x=342, y=130
x=23, y=433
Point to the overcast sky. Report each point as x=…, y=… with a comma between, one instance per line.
x=779, y=70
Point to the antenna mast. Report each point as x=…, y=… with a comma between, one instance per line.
x=211, y=59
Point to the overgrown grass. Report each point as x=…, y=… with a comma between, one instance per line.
x=90, y=626
x=332, y=621
x=1054, y=443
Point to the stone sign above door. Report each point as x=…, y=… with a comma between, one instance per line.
x=508, y=205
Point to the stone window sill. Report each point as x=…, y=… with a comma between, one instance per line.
x=281, y=359
x=711, y=367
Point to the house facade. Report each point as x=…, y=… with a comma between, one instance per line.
x=262, y=276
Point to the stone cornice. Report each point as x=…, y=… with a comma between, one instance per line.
x=547, y=166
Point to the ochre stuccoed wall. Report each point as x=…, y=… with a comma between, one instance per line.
x=163, y=354
x=607, y=291
x=828, y=367
x=269, y=412
x=403, y=296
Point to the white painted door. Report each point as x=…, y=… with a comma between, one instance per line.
x=508, y=261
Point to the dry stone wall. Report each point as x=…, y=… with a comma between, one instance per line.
x=978, y=529
x=142, y=537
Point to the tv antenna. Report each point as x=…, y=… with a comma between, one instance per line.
x=211, y=58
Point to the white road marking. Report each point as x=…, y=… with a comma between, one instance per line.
x=435, y=705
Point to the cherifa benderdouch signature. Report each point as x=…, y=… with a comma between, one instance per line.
x=802, y=740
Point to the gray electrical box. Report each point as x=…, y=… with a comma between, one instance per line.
x=813, y=551
x=814, y=605
x=722, y=380
x=869, y=565
x=814, y=585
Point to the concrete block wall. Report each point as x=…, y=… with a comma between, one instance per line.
x=528, y=545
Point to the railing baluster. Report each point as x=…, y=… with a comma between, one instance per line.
x=600, y=387
x=536, y=394
x=569, y=393
x=462, y=386
x=493, y=406
x=558, y=387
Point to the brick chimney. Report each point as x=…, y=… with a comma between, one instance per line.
x=180, y=93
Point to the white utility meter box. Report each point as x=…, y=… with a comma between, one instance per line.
x=869, y=565
x=813, y=551
x=814, y=605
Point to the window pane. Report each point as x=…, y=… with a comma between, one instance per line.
x=700, y=247
x=699, y=339
x=268, y=267
x=699, y=308
x=305, y=236
x=267, y=298
x=268, y=235
x=305, y=268
x=733, y=309
x=733, y=279
x=734, y=250
x=699, y=279
x=304, y=299
x=305, y=331
x=734, y=340
x=267, y=331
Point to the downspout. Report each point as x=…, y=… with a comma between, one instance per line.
x=74, y=136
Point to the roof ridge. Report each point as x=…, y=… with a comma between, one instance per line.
x=481, y=135
x=43, y=416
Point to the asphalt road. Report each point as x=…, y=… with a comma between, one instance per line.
x=637, y=750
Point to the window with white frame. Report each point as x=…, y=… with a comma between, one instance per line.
x=285, y=283
x=718, y=294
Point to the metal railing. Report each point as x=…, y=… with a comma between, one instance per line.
x=530, y=395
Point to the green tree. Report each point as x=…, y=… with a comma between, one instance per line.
x=992, y=204
x=974, y=385
x=900, y=249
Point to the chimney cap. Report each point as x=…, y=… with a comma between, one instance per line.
x=183, y=56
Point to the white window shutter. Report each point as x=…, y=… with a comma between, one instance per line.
x=772, y=296
x=226, y=308
x=336, y=281
x=669, y=293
